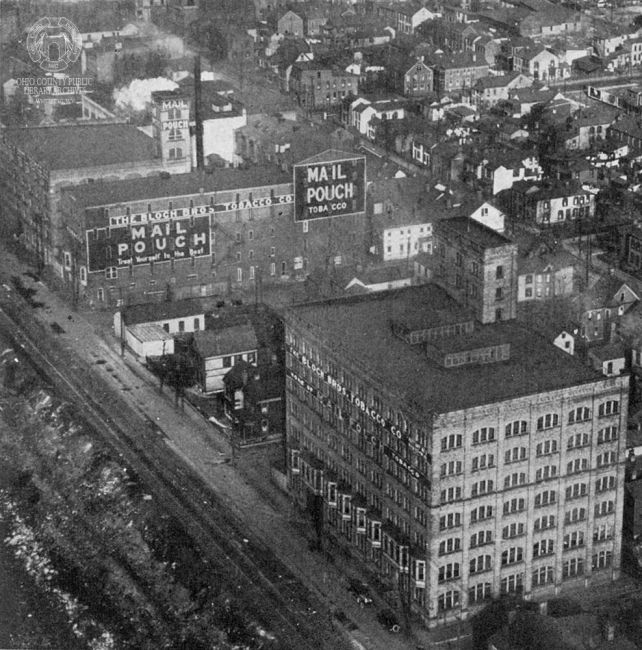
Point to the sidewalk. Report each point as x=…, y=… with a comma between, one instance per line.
x=265, y=511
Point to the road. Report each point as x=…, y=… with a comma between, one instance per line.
x=265, y=517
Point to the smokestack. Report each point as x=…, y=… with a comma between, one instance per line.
x=198, y=119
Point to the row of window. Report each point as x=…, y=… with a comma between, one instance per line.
x=518, y=529
x=518, y=505
x=548, y=421
x=542, y=576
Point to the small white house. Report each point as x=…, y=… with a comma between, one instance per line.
x=608, y=359
x=565, y=340
x=149, y=340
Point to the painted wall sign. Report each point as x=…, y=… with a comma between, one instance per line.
x=329, y=189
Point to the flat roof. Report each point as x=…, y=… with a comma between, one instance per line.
x=358, y=328
x=102, y=193
x=84, y=145
x=483, y=235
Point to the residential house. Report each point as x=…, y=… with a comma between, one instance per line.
x=253, y=401
x=608, y=359
x=543, y=274
x=602, y=306
x=489, y=91
x=590, y=125
x=566, y=338
x=457, y=71
x=366, y=116
x=547, y=19
x=501, y=168
x=418, y=79
x=540, y=63
x=627, y=130
x=317, y=85
x=550, y=204
x=523, y=99
x=216, y=351
x=291, y=23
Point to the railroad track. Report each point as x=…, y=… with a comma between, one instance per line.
x=270, y=592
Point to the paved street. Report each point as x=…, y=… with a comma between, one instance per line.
x=268, y=515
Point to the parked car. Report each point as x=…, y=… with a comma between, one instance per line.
x=361, y=592
x=388, y=619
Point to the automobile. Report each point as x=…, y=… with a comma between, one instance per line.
x=361, y=592
x=388, y=619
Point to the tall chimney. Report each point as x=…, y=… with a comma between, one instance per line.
x=198, y=119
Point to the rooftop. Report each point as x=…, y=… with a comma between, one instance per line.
x=359, y=328
x=227, y=340
x=481, y=234
x=156, y=312
x=79, y=146
x=136, y=189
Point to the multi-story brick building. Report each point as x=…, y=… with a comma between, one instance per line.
x=321, y=86
x=198, y=234
x=477, y=266
x=36, y=162
x=456, y=461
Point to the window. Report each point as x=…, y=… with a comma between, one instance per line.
x=608, y=408
x=546, y=472
x=499, y=273
x=272, y=268
x=451, y=468
x=573, y=540
x=499, y=295
x=577, y=465
x=453, y=441
x=607, y=458
x=514, y=479
x=181, y=325
x=511, y=584
x=481, y=487
x=575, y=515
x=517, y=428
x=545, y=498
x=516, y=529
x=514, y=455
x=451, y=520
x=578, y=440
x=580, y=414
x=448, y=571
x=111, y=273
x=448, y=600
x=479, y=592
x=197, y=324
x=239, y=274
x=543, y=576
x=481, y=563
x=451, y=494
x=450, y=545
x=514, y=505
x=481, y=513
x=573, y=567
x=543, y=547
x=83, y=274
x=547, y=421
x=546, y=448
x=608, y=434
x=602, y=560
x=227, y=362
x=483, y=462
x=481, y=538
x=485, y=434
x=604, y=508
x=576, y=491
x=605, y=483
x=543, y=523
